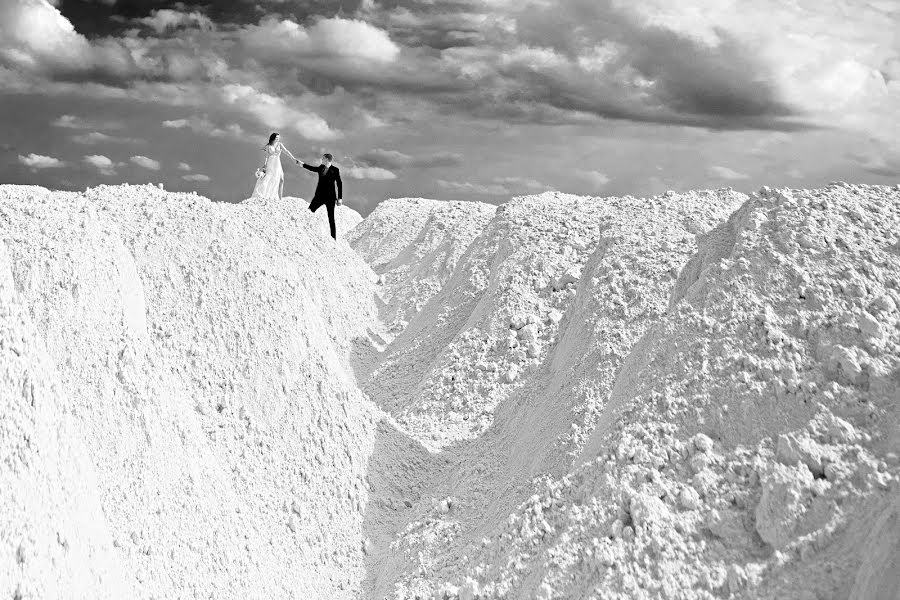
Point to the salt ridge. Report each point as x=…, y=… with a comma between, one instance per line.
x=692, y=395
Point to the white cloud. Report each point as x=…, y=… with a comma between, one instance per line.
x=184, y=166
x=70, y=122
x=521, y=183
x=147, y=163
x=36, y=37
x=494, y=189
x=102, y=163
x=39, y=161
x=75, y=122
x=274, y=113
x=195, y=177
x=351, y=39
x=828, y=58
x=375, y=173
x=204, y=126
x=165, y=19
x=726, y=173
x=595, y=179
x=96, y=137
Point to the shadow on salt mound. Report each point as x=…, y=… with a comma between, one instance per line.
x=414, y=245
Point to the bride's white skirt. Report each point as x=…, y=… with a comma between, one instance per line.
x=267, y=186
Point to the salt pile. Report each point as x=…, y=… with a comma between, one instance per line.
x=691, y=396
x=749, y=438
x=414, y=244
x=178, y=417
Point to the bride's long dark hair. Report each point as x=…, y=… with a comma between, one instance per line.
x=272, y=139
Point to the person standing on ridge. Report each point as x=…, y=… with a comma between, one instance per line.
x=329, y=177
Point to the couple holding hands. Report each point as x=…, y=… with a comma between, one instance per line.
x=270, y=180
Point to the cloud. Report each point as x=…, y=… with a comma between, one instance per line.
x=392, y=159
x=35, y=37
x=75, y=122
x=102, y=163
x=97, y=137
x=70, y=122
x=769, y=65
x=726, y=173
x=465, y=187
x=39, y=161
x=277, y=40
x=374, y=173
x=273, y=112
x=521, y=183
x=147, y=163
x=203, y=125
x=165, y=19
x=183, y=166
x=881, y=161
x=595, y=179
x=195, y=177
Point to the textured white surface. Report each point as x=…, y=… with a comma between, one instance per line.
x=711, y=411
x=205, y=438
x=687, y=396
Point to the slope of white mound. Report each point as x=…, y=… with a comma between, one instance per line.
x=502, y=314
x=184, y=422
x=54, y=538
x=529, y=334
x=687, y=396
x=414, y=244
x=345, y=217
x=748, y=445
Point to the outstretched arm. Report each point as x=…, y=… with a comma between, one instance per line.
x=310, y=168
x=293, y=158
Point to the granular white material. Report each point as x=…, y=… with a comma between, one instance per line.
x=414, y=245
x=687, y=396
x=178, y=419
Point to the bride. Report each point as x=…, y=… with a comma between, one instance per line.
x=271, y=185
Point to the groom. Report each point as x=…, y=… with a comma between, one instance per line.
x=329, y=176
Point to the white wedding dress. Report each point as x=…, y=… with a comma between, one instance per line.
x=267, y=186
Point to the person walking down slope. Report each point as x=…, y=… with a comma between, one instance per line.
x=329, y=178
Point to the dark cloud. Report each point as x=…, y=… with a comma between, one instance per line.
x=725, y=81
x=101, y=19
x=436, y=26
x=566, y=63
x=644, y=73
x=392, y=159
x=537, y=65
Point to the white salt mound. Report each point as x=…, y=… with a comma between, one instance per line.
x=179, y=420
x=414, y=245
x=693, y=340
x=687, y=396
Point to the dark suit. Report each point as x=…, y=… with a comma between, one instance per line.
x=328, y=179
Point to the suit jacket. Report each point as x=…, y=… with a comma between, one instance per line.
x=328, y=179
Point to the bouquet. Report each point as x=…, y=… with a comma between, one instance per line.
x=260, y=172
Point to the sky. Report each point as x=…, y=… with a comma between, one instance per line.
x=451, y=99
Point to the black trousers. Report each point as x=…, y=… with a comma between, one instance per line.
x=329, y=205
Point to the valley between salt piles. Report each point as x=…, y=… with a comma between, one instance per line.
x=688, y=396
